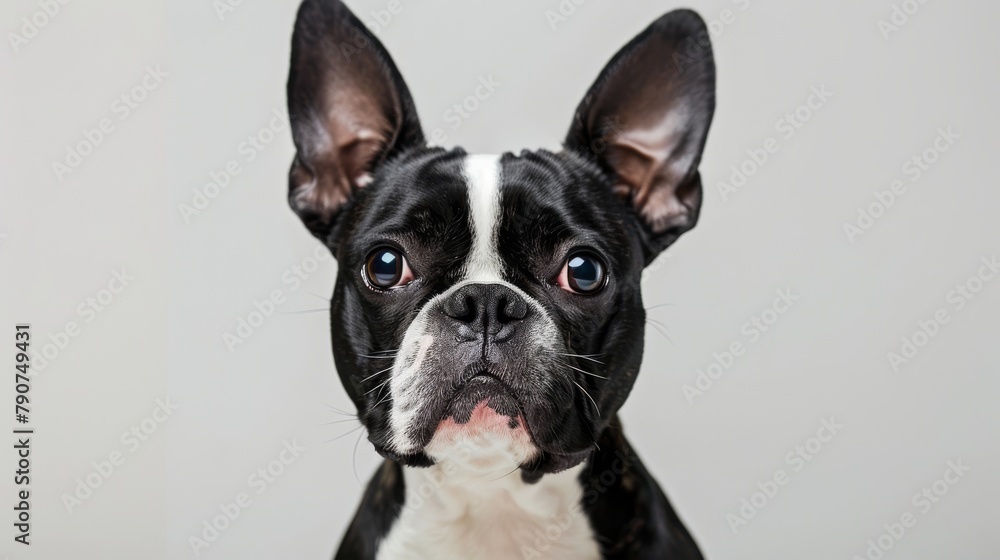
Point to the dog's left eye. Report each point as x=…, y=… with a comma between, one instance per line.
x=583, y=273
x=387, y=268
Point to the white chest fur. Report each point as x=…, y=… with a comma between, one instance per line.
x=454, y=514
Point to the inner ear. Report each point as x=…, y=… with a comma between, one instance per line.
x=349, y=108
x=645, y=121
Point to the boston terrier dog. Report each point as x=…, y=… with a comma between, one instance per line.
x=487, y=318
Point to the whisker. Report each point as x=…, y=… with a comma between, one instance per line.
x=386, y=357
x=505, y=475
x=582, y=371
x=597, y=408
x=339, y=421
x=379, y=386
x=304, y=311
x=354, y=460
x=658, y=305
x=588, y=357
x=387, y=394
x=659, y=327
x=344, y=435
x=658, y=322
x=376, y=373
x=341, y=412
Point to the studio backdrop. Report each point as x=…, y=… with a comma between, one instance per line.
x=820, y=377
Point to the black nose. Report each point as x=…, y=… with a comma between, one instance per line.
x=490, y=310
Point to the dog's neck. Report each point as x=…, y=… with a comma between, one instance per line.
x=459, y=509
x=459, y=513
x=474, y=499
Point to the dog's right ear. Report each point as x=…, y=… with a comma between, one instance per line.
x=349, y=110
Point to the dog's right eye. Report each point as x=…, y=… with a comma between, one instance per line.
x=387, y=268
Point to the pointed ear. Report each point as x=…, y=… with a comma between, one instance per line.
x=349, y=110
x=645, y=121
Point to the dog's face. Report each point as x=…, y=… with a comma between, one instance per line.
x=491, y=304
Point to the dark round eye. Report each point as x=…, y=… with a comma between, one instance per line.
x=387, y=268
x=583, y=274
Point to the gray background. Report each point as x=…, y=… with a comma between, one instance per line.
x=194, y=279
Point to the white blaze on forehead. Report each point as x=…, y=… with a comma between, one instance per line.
x=482, y=174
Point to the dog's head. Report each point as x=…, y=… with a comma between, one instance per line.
x=493, y=302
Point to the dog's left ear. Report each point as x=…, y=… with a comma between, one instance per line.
x=645, y=121
x=349, y=109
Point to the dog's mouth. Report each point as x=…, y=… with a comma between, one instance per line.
x=484, y=389
x=484, y=422
x=483, y=426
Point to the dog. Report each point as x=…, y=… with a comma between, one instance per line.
x=487, y=319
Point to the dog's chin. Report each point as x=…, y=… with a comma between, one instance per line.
x=481, y=430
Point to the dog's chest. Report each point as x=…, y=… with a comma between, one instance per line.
x=448, y=516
